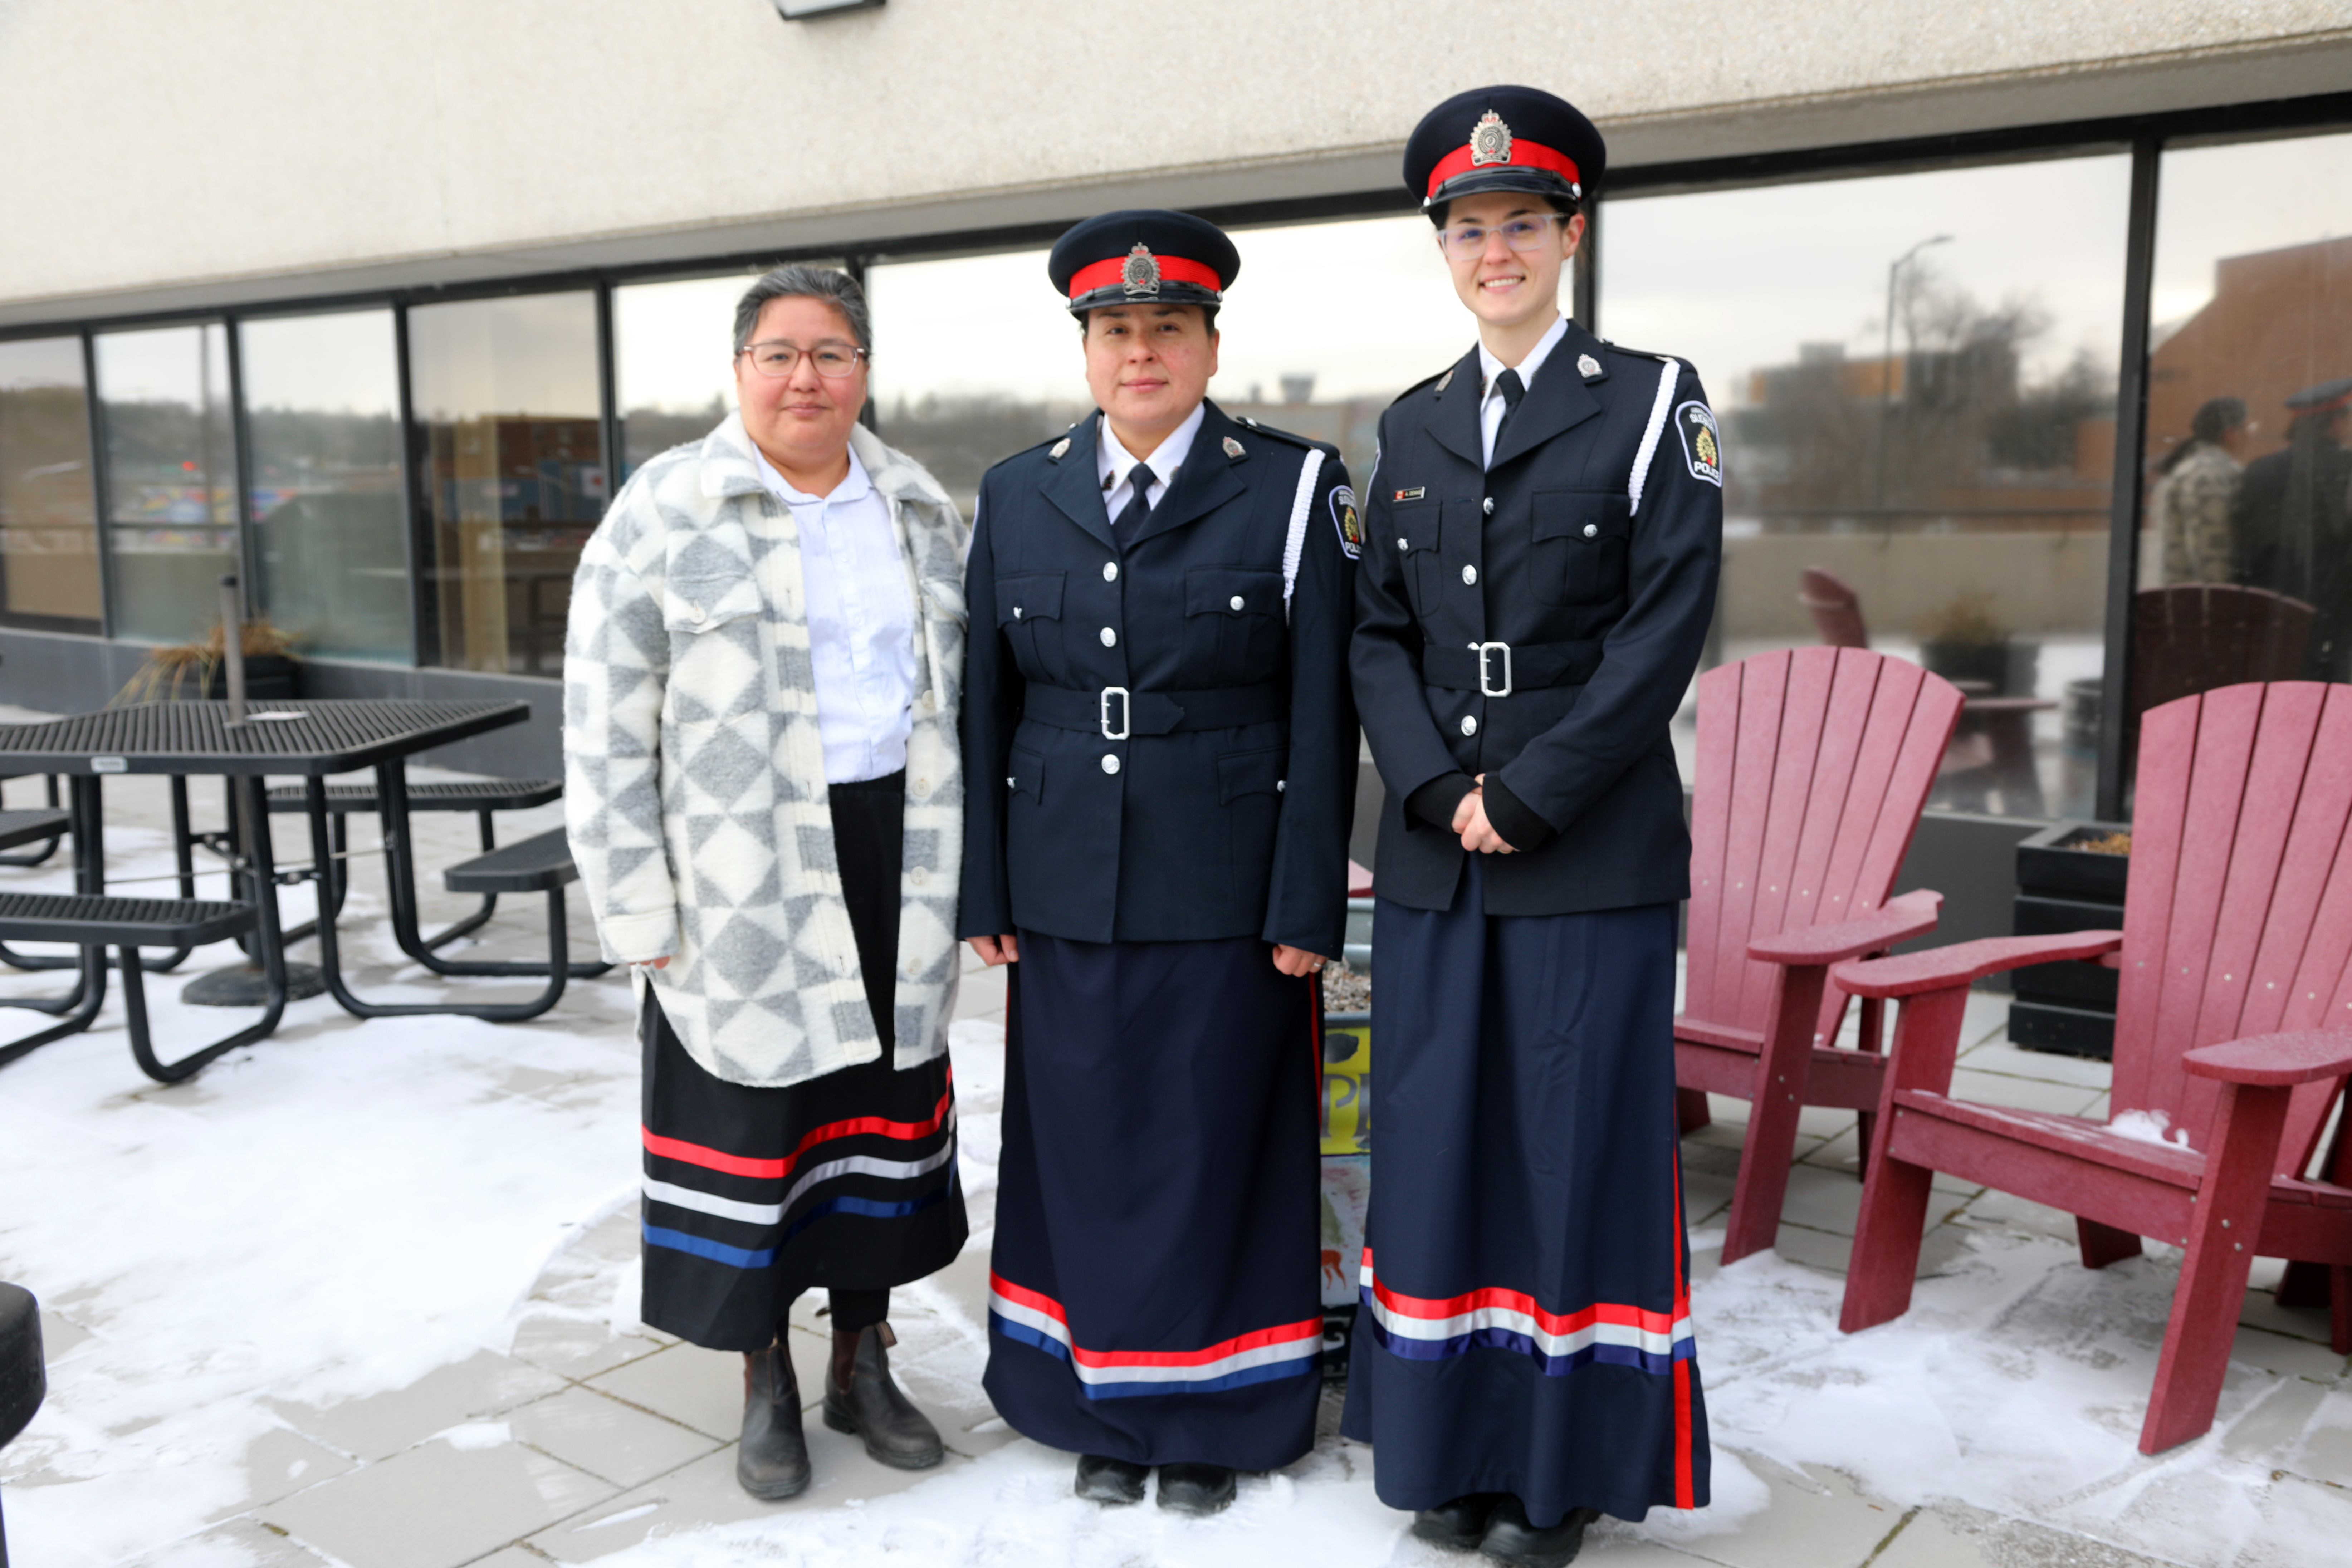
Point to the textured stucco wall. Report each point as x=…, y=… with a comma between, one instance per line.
x=163, y=151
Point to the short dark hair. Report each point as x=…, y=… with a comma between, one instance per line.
x=799, y=281
x=1208, y=315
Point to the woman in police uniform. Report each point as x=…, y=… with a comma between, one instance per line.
x=1162, y=759
x=1542, y=534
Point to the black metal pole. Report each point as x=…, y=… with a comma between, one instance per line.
x=2123, y=507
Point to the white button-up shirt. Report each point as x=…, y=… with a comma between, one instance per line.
x=861, y=620
x=1115, y=466
x=1492, y=407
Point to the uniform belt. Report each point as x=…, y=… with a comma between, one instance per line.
x=1114, y=713
x=1498, y=669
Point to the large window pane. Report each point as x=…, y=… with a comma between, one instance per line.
x=514, y=477
x=670, y=361
x=171, y=477
x=976, y=357
x=322, y=397
x=1915, y=375
x=2246, y=548
x=48, y=512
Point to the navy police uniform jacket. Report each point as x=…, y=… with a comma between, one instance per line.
x=1583, y=563
x=1156, y=749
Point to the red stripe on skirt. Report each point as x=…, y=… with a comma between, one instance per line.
x=1684, y=1491
x=738, y=1164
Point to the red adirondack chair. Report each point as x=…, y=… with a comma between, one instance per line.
x=1812, y=765
x=2237, y=931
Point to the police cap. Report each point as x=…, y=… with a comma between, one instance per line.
x=2326, y=394
x=1503, y=139
x=1143, y=256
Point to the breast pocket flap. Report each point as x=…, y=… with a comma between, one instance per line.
x=1582, y=515
x=1259, y=772
x=1031, y=596
x=1417, y=525
x=701, y=603
x=1229, y=590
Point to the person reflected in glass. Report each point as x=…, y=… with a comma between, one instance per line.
x=2292, y=522
x=1162, y=763
x=765, y=795
x=2196, y=492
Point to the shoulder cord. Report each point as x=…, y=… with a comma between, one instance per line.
x=1667, y=380
x=1300, y=506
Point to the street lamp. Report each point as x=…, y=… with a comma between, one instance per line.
x=1886, y=359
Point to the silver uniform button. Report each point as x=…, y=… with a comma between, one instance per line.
x=1110, y=571
x=1469, y=574
x=1469, y=723
x=1488, y=506
x=1111, y=764
x=1280, y=785
x=1590, y=530
x=1236, y=601
x=1110, y=638
x=1017, y=612
x=1404, y=544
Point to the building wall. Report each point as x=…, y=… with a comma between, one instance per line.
x=164, y=154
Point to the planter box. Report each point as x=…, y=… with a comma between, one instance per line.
x=2067, y=1009
x=267, y=678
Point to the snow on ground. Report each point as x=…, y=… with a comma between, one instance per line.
x=348, y=1211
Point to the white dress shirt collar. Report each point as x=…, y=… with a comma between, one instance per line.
x=1113, y=465
x=1491, y=406
x=856, y=485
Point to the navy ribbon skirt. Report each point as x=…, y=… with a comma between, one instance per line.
x=1525, y=1320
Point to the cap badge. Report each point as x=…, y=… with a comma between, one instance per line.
x=1058, y=449
x=1233, y=447
x=1490, y=140
x=1141, y=274
x=1587, y=366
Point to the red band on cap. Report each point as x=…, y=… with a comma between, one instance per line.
x=1525, y=154
x=1173, y=269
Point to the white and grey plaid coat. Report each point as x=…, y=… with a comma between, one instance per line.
x=694, y=779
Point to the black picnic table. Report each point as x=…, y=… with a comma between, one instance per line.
x=308, y=738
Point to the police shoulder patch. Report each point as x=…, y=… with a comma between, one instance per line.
x=1345, y=519
x=1702, y=449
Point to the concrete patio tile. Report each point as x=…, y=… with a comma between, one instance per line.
x=437, y=1506
x=240, y=1544
x=1998, y=1210
x=1822, y=1199
x=615, y=1442
x=1705, y=1196
x=510, y=1557
x=2289, y=1358
x=1831, y=1252
x=981, y=993
x=483, y=1385
x=2262, y=1311
x=572, y=1349
x=281, y=1462
x=1950, y=1536
x=697, y=1388
x=1999, y=1056
x=2025, y=1094
x=1817, y=1520
x=60, y=1337
x=2272, y=1427
x=1605, y=1547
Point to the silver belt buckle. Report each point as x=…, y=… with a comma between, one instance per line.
x=1125, y=713
x=1485, y=688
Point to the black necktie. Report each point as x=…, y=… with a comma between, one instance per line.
x=1513, y=390
x=1131, y=517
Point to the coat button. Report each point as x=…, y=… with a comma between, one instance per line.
x=1017, y=612
x=1469, y=723
x=1110, y=571
x=1236, y=601
x=1403, y=544
x=922, y=788
x=920, y=876
x=1469, y=574
x=1591, y=529
x=1280, y=785
x=1110, y=638
x=698, y=612
x=1011, y=782
x=1111, y=764
x=1487, y=505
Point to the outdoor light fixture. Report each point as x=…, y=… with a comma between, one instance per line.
x=804, y=10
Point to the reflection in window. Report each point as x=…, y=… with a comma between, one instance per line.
x=2246, y=548
x=960, y=390
x=48, y=514
x=321, y=394
x=1930, y=479
x=670, y=361
x=171, y=477
x=513, y=470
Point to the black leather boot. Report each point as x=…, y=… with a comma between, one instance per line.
x=1110, y=1481
x=860, y=1398
x=1461, y=1523
x=771, y=1462
x=1197, y=1489
x=1511, y=1539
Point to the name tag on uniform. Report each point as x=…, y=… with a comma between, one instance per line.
x=1415, y=494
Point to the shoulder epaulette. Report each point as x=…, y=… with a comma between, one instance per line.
x=1045, y=446
x=1426, y=380
x=1290, y=436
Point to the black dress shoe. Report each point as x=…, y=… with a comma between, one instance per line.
x=1197, y=1489
x=771, y=1462
x=1511, y=1539
x=1110, y=1481
x=873, y=1409
x=1460, y=1524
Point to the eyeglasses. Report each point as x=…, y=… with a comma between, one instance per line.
x=1468, y=242
x=833, y=362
